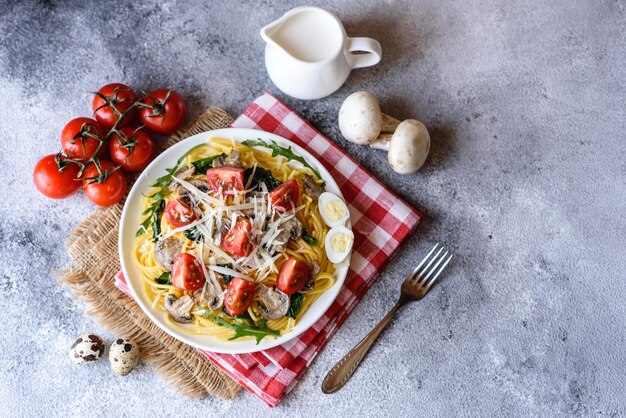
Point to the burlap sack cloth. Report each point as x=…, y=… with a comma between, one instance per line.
x=93, y=250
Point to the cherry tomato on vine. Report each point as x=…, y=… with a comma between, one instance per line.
x=110, y=191
x=239, y=296
x=52, y=182
x=77, y=140
x=167, y=112
x=187, y=273
x=121, y=97
x=142, y=153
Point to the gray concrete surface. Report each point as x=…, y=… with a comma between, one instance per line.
x=525, y=102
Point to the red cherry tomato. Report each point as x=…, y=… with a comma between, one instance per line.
x=178, y=214
x=237, y=240
x=53, y=183
x=224, y=179
x=122, y=97
x=167, y=113
x=285, y=196
x=293, y=274
x=239, y=296
x=110, y=191
x=76, y=140
x=143, y=152
x=187, y=273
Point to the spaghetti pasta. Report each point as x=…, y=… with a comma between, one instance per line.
x=212, y=212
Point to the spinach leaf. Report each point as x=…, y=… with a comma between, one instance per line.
x=258, y=332
x=308, y=238
x=278, y=150
x=192, y=234
x=204, y=164
x=296, y=305
x=164, y=278
x=261, y=175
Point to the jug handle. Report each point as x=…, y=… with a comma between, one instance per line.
x=372, y=48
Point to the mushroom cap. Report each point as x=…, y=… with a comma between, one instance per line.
x=272, y=302
x=360, y=119
x=409, y=147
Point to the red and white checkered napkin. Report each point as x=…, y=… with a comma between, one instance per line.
x=380, y=221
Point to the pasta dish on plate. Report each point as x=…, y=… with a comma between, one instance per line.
x=238, y=239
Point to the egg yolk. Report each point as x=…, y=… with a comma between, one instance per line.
x=340, y=242
x=335, y=210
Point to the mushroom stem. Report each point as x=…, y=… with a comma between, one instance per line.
x=389, y=124
x=382, y=142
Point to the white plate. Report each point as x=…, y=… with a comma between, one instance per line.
x=130, y=221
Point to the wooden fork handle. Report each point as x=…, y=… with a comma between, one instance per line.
x=344, y=369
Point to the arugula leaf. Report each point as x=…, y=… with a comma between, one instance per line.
x=308, y=238
x=261, y=175
x=295, y=305
x=155, y=210
x=164, y=278
x=204, y=164
x=278, y=150
x=258, y=332
x=192, y=234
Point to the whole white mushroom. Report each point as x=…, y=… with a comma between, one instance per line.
x=360, y=118
x=362, y=122
x=407, y=148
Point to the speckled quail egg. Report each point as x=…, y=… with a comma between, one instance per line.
x=86, y=348
x=338, y=243
x=123, y=356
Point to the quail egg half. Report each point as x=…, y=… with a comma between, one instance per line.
x=333, y=209
x=123, y=356
x=338, y=243
x=86, y=348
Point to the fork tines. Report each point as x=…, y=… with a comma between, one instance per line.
x=430, y=268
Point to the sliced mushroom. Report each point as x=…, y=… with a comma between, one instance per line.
x=272, y=302
x=184, y=174
x=201, y=185
x=179, y=309
x=234, y=159
x=311, y=187
x=218, y=161
x=210, y=295
x=291, y=229
x=315, y=270
x=166, y=251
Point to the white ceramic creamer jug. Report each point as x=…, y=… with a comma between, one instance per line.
x=308, y=54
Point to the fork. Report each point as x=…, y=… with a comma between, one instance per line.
x=414, y=287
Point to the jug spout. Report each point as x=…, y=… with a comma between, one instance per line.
x=268, y=31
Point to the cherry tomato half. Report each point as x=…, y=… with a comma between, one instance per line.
x=167, y=114
x=178, y=214
x=143, y=152
x=53, y=183
x=293, y=274
x=224, y=179
x=187, y=273
x=76, y=140
x=285, y=196
x=110, y=191
x=119, y=95
x=239, y=296
x=237, y=240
